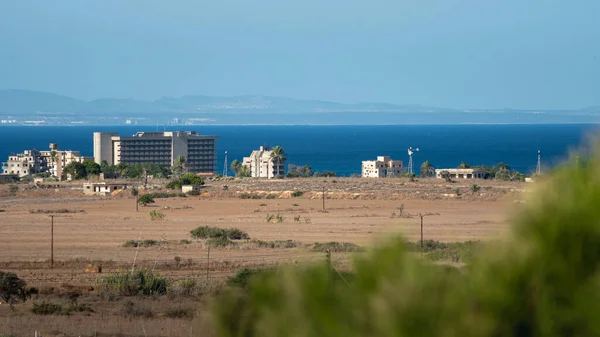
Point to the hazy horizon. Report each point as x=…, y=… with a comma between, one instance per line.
x=453, y=54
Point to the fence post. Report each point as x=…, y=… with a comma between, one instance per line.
x=51, y=241
x=208, y=264
x=421, y=215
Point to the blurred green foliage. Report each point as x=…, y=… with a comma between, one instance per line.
x=543, y=280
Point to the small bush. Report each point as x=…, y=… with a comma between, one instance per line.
x=269, y=217
x=475, y=188
x=156, y=216
x=220, y=242
x=242, y=277
x=295, y=204
x=250, y=196
x=185, y=242
x=297, y=218
x=182, y=313
x=207, y=232
x=141, y=243
x=193, y=192
x=140, y=282
x=271, y=196
x=279, y=218
x=335, y=247
x=12, y=289
x=47, y=308
x=262, y=205
x=13, y=189
x=145, y=199
x=277, y=244
x=135, y=192
x=296, y=194
x=186, y=287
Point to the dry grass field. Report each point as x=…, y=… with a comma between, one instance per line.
x=359, y=211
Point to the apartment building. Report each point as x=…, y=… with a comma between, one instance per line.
x=382, y=167
x=161, y=148
x=52, y=161
x=261, y=165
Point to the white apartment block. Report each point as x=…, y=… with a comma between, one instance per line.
x=261, y=165
x=382, y=167
x=161, y=148
x=52, y=161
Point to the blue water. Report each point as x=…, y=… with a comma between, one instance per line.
x=342, y=148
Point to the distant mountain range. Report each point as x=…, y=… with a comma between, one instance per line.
x=23, y=107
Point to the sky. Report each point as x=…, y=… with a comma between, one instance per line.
x=533, y=54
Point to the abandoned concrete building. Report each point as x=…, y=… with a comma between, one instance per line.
x=382, y=167
x=161, y=148
x=466, y=173
x=102, y=188
x=52, y=161
x=261, y=165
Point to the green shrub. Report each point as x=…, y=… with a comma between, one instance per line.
x=276, y=244
x=295, y=204
x=47, y=308
x=242, y=277
x=185, y=242
x=186, y=287
x=296, y=194
x=141, y=243
x=138, y=282
x=207, y=232
x=270, y=217
x=335, y=247
x=262, y=205
x=164, y=195
x=220, y=242
x=145, y=199
x=193, y=192
x=13, y=189
x=186, y=179
x=156, y=215
x=250, y=196
x=12, y=289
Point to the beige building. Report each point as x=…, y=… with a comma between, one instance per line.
x=467, y=173
x=161, y=148
x=52, y=161
x=382, y=167
x=102, y=188
x=261, y=165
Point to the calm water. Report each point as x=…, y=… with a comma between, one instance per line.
x=342, y=148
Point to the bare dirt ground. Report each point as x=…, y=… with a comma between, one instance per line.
x=360, y=211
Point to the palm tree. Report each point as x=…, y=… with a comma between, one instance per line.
x=54, y=159
x=427, y=169
x=236, y=167
x=463, y=165
x=277, y=154
x=180, y=165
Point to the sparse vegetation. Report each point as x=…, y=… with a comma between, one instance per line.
x=185, y=242
x=297, y=194
x=141, y=243
x=49, y=308
x=156, y=215
x=242, y=278
x=207, y=232
x=133, y=309
x=186, y=287
x=271, y=196
x=193, y=192
x=276, y=244
x=13, y=189
x=262, y=205
x=220, y=242
x=475, y=188
x=443, y=251
x=275, y=218
x=270, y=217
x=335, y=247
x=250, y=196
x=134, y=283
x=181, y=313
x=55, y=211
x=145, y=199
x=295, y=204
x=297, y=218
x=279, y=218
x=163, y=195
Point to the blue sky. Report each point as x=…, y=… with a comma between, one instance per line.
x=447, y=53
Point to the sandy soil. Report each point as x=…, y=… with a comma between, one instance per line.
x=359, y=211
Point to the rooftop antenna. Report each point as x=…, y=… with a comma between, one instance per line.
x=225, y=166
x=538, y=169
x=410, y=159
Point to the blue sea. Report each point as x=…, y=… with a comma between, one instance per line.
x=342, y=148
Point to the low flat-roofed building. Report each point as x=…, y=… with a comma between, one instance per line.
x=461, y=173
x=382, y=167
x=102, y=188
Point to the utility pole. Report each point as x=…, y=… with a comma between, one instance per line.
x=52, y=241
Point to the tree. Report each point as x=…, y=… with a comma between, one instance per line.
x=446, y=176
x=186, y=179
x=236, y=166
x=463, y=165
x=244, y=172
x=180, y=165
x=145, y=199
x=12, y=289
x=76, y=170
x=427, y=169
x=91, y=168
x=278, y=155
